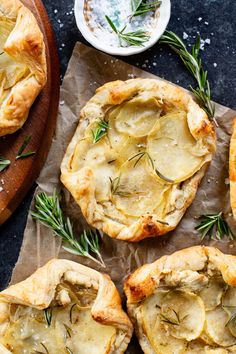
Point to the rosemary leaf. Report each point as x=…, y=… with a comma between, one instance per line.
x=133, y=38
x=44, y=346
x=142, y=154
x=214, y=225
x=140, y=7
x=4, y=163
x=48, y=211
x=20, y=154
x=71, y=313
x=193, y=63
x=100, y=131
x=48, y=316
x=69, y=350
x=69, y=331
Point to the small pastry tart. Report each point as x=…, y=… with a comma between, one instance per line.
x=138, y=155
x=64, y=307
x=23, y=67
x=185, y=303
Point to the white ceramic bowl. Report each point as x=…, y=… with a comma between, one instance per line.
x=165, y=10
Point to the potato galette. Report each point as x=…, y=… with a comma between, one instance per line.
x=22, y=64
x=185, y=303
x=64, y=308
x=137, y=157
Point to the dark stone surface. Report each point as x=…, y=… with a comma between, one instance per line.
x=218, y=24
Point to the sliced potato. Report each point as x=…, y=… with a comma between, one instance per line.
x=175, y=152
x=229, y=305
x=139, y=192
x=212, y=293
x=161, y=341
x=183, y=314
x=135, y=117
x=217, y=329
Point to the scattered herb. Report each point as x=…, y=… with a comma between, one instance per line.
x=100, y=131
x=48, y=316
x=4, y=163
x=69, y=350
x=135, y=38
x=214, y=224
x=116, y=187
x=142, y=154
x=140, y=7
x=43, y=345
x=170, y=319
x=49, y=212
x=21, y=154
x=71, y=313
x=69, y=331
x=193, y=63
x=1, y=53
x=232, y=318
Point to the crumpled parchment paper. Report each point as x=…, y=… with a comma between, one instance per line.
x=87, y=70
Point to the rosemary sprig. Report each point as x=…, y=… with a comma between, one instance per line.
x=134, y=38
x=49, y=212
x=100, y=131
x=69, y=350
x=142, y=154
x=48, y=316
x=4, y=163
x=140, y=7
x=21, y=154
x=214, y=225
x=116, y=187
x=193, y=63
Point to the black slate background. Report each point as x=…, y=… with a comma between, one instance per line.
x=218, y=24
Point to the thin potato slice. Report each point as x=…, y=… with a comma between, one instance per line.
x=217, y=329
x=135, y=117
x=138, y=191
x=212, y=293
x=161, y=341
x=183, y=314
x=175, y=153
x=229, y=305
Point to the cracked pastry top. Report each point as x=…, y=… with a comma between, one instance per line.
x=22, y=64
x=137, y=157
x=65, y=308
x=185, y=303
x=232, y=170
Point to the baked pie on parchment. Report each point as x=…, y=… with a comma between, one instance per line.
x=22, y=64
x=138, y=155
x=65, y=308
x=185, y=303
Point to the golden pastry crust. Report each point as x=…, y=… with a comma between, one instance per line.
x=85, y=181
x=232, y=170
x=39, y=290
x=22, y=46
x=189, y=269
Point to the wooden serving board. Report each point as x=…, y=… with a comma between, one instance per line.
x=16, y=181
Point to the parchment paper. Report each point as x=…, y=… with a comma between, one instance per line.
x=87, y=70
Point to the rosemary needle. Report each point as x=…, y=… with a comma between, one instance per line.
x=214, y=224
x=100, y=131
x=193, y=63
x=133, y=38
x=49, y=212
x=4, y=163
x=21, y=154
x=140, y=7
